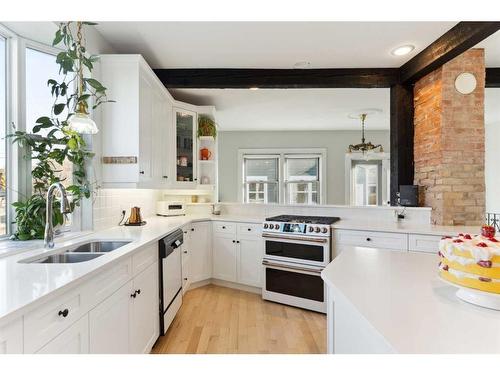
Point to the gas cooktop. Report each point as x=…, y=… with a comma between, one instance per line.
x=325, y=220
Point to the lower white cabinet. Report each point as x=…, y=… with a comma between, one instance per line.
x=237, y=255
x=200, y=250
x=109, y=323
x=250, y=253
x=73, y=340
x=424, y=243
x=144, y=318
x=11, y=337
x=225, y=257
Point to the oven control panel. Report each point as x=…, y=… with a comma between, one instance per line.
x=296, y=228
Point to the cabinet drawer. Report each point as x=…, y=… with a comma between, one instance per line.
x=383, y=240
x=225, y=227
x=144, y=258
x=49, y=320
x=74, y=340
x=249, y=229
x=106, y=283
x=424, y=243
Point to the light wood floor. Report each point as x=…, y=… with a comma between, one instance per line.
x=215, y=319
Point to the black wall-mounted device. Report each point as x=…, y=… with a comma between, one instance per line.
x=408, y=195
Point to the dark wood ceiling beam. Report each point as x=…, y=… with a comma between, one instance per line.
x=493, y=77
x=451, y=44
x=278, y=78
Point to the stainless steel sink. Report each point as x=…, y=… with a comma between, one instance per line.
x=99, y=246
x=82, y=253
x=66, y=258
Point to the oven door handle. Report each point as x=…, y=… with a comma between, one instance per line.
x=297, y=238
x=282, y=266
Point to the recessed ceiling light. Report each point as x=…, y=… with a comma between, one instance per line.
x=254, y=88
x=403, y=50
x=302, y=65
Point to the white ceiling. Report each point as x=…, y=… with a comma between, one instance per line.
x=270, y=44
x=291, y=109
x=491, y=47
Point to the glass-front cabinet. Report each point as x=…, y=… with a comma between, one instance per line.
x=185, y=150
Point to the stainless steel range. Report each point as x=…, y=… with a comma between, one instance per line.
x=297, y=248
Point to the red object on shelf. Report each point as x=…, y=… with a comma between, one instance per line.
x=488, y=231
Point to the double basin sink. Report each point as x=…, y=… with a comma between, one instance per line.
x=81, y=253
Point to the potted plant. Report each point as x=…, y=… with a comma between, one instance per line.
x=206, y=126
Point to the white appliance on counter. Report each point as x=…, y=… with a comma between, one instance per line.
x=170, y=271
x=169, y=208
x=297, y=248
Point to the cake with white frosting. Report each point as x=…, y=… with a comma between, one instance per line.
x=472, y=261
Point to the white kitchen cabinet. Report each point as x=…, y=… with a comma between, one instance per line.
x=423, y=243
x=136, y=127
x=250, y=253
x=144, y=322
x=11, y=337
x=109, y=323
x=200, y=249
x=73, y=340
x=237, y=253
x=343, y=238
x=185, y=126
x=225, y=257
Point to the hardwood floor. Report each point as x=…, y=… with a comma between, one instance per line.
x=214, y=319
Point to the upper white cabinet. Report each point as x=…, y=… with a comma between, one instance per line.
x=148, y=139
x=136, y=128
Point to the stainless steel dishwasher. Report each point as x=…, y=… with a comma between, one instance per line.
x=170, y=272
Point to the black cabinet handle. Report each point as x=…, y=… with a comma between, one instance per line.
x=133, y=295
x=185, y=278
x=223, y=227
x=186, y=232
x=138, y=291
x=237, y=241
x=141, y=172
x=64, y=313
x=192, y=229
x=368, y=239
x=185, y=252
x=165, y=176
x=234, y=241
x=249, y=229
x=196, y=179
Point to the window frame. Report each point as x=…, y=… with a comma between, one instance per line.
x=282, y=154
x=246, y=191
x=18, y=168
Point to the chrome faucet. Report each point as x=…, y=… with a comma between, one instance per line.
x=48, y=240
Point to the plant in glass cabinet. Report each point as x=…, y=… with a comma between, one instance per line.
x=59, y=141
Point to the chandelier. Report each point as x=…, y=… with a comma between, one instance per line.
x=363, y=146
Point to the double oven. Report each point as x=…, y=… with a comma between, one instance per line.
x=297, y=248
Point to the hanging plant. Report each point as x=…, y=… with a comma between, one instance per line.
x=206, y=126
x=60, y=141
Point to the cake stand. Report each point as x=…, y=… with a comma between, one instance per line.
x=476, y=297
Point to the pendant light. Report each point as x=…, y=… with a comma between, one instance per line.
x=363, y=146
x=80, y=121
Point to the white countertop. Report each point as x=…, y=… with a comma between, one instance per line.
x=404, y=227
x=401, y=296
x=23, y=284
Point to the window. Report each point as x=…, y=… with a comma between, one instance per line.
x=261, y=179
x=3, y=130
x=291, y=176
x=302, y=179
x=39, y=67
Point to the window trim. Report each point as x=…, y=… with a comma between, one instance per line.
x=282, y=154
x=18, y=169
x=385, y=157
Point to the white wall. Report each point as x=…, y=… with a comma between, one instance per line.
x=336, y=143
x=492, y=149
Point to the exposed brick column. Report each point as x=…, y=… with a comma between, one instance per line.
x=449, y=142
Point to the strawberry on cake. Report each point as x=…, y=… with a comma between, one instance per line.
x=471, y=261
